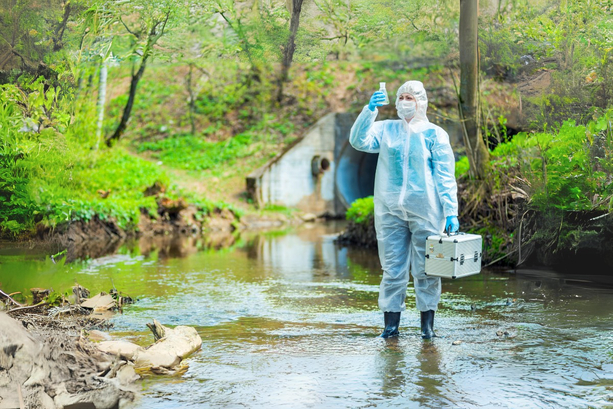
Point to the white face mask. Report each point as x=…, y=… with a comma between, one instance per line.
x=406, y=109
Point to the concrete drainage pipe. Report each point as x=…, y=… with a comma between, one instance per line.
x=319, y=165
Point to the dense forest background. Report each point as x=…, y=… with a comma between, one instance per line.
x=108, y=107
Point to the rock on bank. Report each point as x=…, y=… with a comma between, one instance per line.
x=59, y=369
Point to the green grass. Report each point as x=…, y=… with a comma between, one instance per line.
x=196, y=153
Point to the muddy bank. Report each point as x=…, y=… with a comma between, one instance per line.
x=574, y=242
x=359, y=234
x=175, y=223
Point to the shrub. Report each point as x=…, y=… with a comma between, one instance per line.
x=361, y=210
x=569, y=169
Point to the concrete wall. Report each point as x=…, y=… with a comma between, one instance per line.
x=321, y=173
x=303, y=175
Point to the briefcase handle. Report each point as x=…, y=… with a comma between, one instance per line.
x=451, y=234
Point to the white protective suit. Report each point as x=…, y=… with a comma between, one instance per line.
x=415, y=190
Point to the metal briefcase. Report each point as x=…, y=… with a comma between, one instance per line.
x=453, y=256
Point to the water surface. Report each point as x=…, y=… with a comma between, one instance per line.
x=291, y=321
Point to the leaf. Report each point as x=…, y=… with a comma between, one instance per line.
x=602, y=123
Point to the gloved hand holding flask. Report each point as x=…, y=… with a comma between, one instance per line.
x=377, y=100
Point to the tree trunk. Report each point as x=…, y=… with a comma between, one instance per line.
x=477, y=152
x=59, y=31
x=288, y=54
x=156, y=31
x=101, y=101
x=192, y=99
x=128, y=108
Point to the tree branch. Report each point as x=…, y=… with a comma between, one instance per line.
x=221, y=13
x=59, y=31
x=28, y=307
x=128, y=29
x=10, y=298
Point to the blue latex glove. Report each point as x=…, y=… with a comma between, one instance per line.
x=377, y=100
x=452, y=224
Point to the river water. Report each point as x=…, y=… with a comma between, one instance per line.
x=291, y=321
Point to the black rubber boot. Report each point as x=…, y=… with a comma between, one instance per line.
x=427, y=324
x=392, y=322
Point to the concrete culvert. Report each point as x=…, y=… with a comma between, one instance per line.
x=319, y=165
x=355, y=174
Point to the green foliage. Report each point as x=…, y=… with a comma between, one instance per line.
x=362, y=210
x=25, y=156
x=461, y=167
x=496, y=242
x=49, y=178
x=569, y=40
x=569, y=169
x=57, y=298
x=31, y=33
x=194, y=153
x=383, y=31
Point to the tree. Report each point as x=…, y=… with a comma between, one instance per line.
x=295, y=7
x=341, y=17
x=234, y=20
x=255, y=32
x=96, y=45
x=29, y=33
x=152, y=21
x=476, y=151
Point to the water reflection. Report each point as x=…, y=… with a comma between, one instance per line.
x=301, y=256
x=429, y=379
x=309, y=254
x=391, y=367
x=292, y=321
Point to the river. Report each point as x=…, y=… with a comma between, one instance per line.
x=290, y=320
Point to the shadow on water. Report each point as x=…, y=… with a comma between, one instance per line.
x=291, y=321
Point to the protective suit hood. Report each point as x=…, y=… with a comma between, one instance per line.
x=415, y=88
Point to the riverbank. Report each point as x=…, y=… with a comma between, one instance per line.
x=568, y=242
x=219, y=227
x=55, y=355
x=516, y=233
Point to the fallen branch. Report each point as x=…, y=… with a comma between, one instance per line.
x=499, y=258
x=28, y=307
x=158, y=330
x=9, y=297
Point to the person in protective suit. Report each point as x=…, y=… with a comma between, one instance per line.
x=415, y=197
